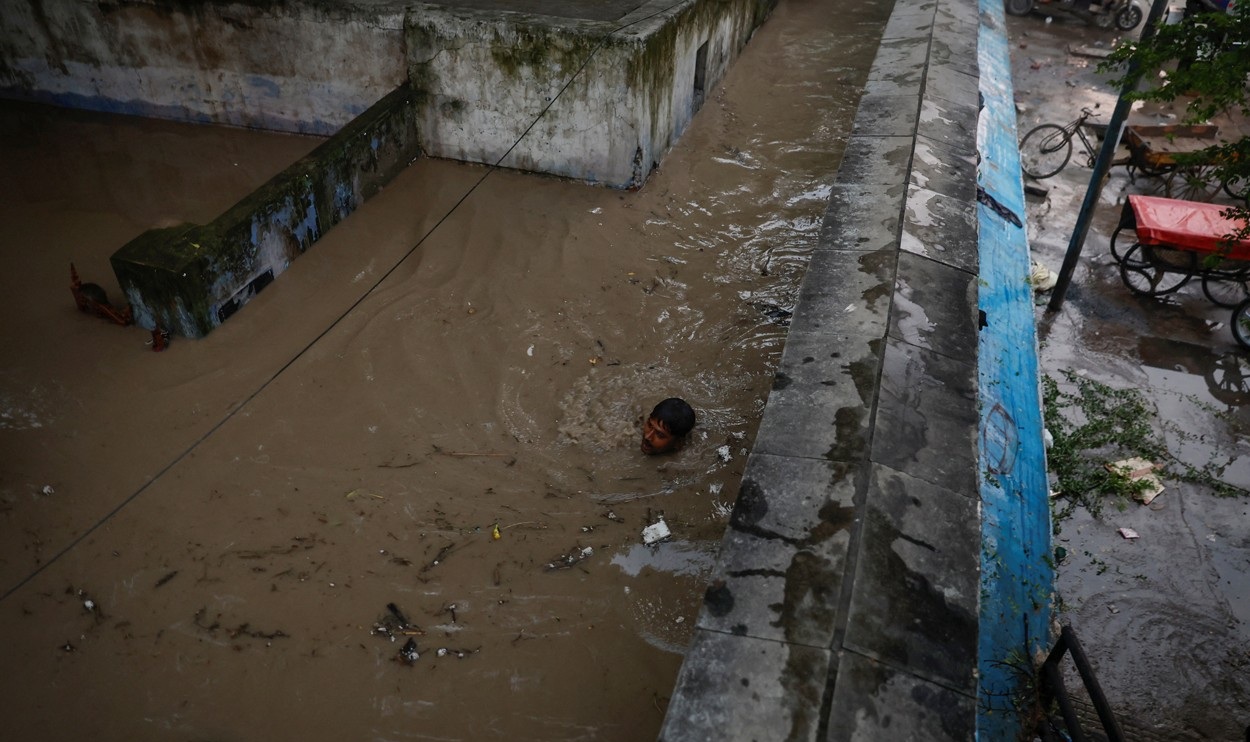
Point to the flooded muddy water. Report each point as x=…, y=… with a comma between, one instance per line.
x=434, y=414
x=1164, y=618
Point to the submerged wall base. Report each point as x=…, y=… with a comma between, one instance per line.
x=190, y=279
x=598, y=101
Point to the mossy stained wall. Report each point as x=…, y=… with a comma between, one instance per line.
x=595, y=101
x=286, y=66
x=190, y=279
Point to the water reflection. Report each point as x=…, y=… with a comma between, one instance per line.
x=1226, y=374
x=675, y=557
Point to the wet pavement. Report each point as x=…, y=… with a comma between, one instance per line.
x=1164, y=617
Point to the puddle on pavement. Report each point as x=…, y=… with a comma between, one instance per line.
x=1163, y=618
x=496, y=378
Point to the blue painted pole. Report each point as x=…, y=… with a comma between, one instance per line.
x=1101, y=166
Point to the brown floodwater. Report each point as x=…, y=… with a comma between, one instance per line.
x=200, y=544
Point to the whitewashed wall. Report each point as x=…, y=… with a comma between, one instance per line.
x=287, y=66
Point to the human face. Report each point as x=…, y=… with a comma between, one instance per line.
x=656, y=437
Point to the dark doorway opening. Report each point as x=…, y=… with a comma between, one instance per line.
x=700, y=76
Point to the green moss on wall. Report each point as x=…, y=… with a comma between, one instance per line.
x=178, y=277
x=651, y=70
x=546, y=52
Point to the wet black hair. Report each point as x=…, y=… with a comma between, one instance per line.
x=676, y=414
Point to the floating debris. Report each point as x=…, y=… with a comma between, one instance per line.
x=656, y=532
x=777, y=315
x=442, y=554
x=1128, y=533
x=457, y=653
x=243, y=629
x=88, y=603
x=394, y=623
x=408, y=653
x=570, y=558
x=449, y=608
x=361, y=493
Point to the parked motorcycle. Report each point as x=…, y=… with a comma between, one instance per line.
x=1124, y=14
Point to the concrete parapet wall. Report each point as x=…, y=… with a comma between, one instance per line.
x=595, y=100
x=845, y=602
x=592, y=100
x=189, y=279
x=288, y=66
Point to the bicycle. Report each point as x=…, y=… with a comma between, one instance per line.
x=1241, y=324
x=1046, y=149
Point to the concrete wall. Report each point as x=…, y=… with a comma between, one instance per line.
x=283, y=65
x=595, y=101
x=599, y=101
x=192, y=278
x=845, y=601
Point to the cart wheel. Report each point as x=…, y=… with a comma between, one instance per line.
x=1148, y=271
x=1127, y=19
x=1238, y=189
x=1118, y=253
x=1225, y=289
x=1159, y=180
x=1195, y=183
x=1241, y=324
x=1044, y=151
x=1154, y=170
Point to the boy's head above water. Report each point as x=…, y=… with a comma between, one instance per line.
x=669, y=422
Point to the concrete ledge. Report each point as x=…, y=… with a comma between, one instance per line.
x=745, y=688
x=190, y=279
x=857, y=533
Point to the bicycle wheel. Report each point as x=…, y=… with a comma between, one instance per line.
x=1127, y=19
x=1225, y=290
x=1045, y=150
x=1241, y=324
x=1148, y=271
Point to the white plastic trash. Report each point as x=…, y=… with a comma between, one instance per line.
x=656, y=532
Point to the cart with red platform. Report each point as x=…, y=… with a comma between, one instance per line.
x=1161, y=244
